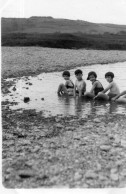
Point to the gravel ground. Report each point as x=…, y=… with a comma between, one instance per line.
x=24, y=61
x=63, y=151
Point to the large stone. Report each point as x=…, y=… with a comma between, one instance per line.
x=26, y=99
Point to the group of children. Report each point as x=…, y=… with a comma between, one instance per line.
x=97, y=91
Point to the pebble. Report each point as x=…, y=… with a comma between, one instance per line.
x=70, y=128
x=98, y=166
x=37, y=148
x=114, y=177
x=25, y=142
x=123, y=143
x=96, y=120
x=77, y=176
x=59, y=125
x=102, y=177
x=90, y=175
x=105, y=147
x=113, y=170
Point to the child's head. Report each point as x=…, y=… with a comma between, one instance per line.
x=66, y=75
x=109, y=76
x=92, y=76
x=78, y=74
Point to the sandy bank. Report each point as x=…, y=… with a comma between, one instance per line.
x=24, y=61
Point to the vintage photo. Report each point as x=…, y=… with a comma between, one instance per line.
x=63, y=80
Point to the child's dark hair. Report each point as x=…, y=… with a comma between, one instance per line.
x=109, y=74
x=91, y=73
x=78, y=71
x=66, y=73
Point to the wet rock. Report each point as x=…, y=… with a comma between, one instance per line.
x=14, y=89
x=26, y=99
x=42, y=98
x=27, y=88
x=105, y=147
x=30, y=84
x=5, y=91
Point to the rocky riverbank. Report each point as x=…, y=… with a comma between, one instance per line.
x=63, y=151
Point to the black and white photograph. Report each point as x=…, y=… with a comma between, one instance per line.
x=63, y=94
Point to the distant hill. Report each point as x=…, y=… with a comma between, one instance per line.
x=62, y=33
x=52, y=25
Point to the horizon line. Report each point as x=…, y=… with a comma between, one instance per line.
x=62, y=19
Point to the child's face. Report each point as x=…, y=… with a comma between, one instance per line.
x=109, y=79
x=92, y=78
x=79, y=76
x=66, y=77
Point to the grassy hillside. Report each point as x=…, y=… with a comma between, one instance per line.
x=62, y=33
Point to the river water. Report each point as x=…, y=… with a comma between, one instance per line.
x=45, y=86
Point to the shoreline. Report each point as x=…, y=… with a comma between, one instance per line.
x=45, y=60
x=60, y=69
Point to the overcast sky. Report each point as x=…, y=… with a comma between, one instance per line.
x=97, y=11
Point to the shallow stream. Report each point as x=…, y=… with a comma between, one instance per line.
x=42, y=91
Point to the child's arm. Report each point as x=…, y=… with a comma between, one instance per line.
x=108, y=88
x=93, y=87
x=104, y=91
x=121, y=94
x=74, y=91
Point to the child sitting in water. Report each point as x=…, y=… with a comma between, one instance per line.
x=96, y=85
x=114, y=90
x=80, y=85
x=118, y=99
x=68, y=87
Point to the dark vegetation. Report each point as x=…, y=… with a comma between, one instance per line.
x=68, y=41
